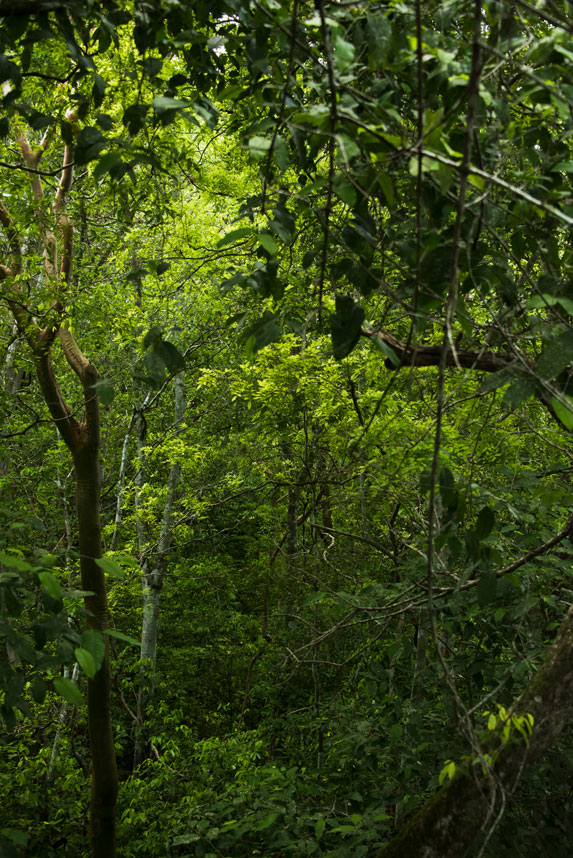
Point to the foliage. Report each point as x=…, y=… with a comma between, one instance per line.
x=347, y=228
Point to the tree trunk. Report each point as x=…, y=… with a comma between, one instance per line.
x=457, y=819
x=104, y=770
x=152, y=587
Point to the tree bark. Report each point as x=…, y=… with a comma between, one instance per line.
x=454, y=822
x=152, y=586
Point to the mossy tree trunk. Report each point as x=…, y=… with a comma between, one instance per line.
x=457, y=819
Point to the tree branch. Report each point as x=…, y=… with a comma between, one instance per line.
x=415, y=355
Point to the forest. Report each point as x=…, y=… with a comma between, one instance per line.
x=286, y=403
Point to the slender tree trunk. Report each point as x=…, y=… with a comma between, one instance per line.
x=153, y=579
x=104, y=771
x=139, y=481
x=120, y=483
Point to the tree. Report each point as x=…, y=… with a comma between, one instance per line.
x=82, y=439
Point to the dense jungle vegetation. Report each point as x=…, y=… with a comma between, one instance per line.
x=286, y=337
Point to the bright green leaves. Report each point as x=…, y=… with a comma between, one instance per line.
x=448, y=771
x=259, y=147
x=51, y=584
x=345, y=326
x=163, y=103
x=235, y=235
x=112, y=565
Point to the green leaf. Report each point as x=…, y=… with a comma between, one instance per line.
x=344, y=53
x=556, y=356
x=281, y=153
x=283, y=224
x=88, y=136
x=38, y=689
x=345, y=325
x=265, y=822
x=519, y=391
x=165, y=102
x=259, y=147
x=395, y=733
x=20, y=838
x=93, y=641
x=106, y=393
x=155, y=333
x=155, y=368
x=170, y=355
x=268, y=242
x=319, y=827
x=545, y=300
x=85, y=661
x=261, y=333
x=448, y=771
x=487, y=588
x=497, y=379
x=386, y=350
x=113, y=633
x=447, y=486
x=110, y=567
x=563, y=407
x=345, y=190
x=235, y=235
x=98, y=89
x=105, y=164
x=15, y=562
x=205, y=108
x=68, y=690
x=485, y=522
x=50, y=584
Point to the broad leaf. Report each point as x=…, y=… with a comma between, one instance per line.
x=68, y=690
x=345, y=326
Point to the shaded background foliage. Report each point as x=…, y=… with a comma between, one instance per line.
x=288, y=203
